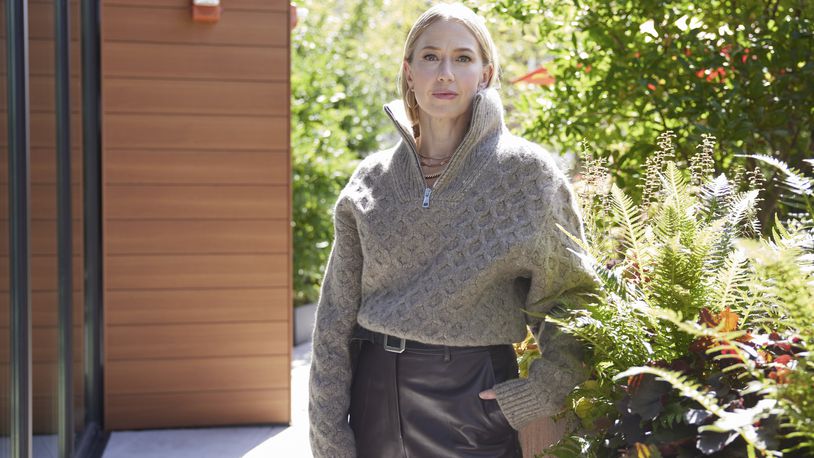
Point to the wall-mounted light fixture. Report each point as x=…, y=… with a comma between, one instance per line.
x=206, y=10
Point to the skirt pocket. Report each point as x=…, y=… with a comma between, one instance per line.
x=503, y=366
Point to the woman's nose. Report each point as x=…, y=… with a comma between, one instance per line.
x=445, y=71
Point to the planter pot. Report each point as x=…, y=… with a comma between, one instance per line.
x=543, y=433
x=304, y=323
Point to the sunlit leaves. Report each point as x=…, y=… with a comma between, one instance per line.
x=739, y=70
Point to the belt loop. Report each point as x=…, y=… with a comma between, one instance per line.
x=362, y=334
x=447, y=356
x=369, y=336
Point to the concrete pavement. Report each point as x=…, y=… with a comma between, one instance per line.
x=231, y=442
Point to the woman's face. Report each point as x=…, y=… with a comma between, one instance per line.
x=446, y=70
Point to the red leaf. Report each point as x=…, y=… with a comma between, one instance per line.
x=706, y=318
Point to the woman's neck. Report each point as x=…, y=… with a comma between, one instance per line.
x=440, y=137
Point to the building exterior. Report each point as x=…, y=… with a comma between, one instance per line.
x=145, y=262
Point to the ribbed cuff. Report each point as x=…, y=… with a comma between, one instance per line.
x=520, y=402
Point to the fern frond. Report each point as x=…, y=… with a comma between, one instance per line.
x=800, y=188
x=791, y=289
x=671, y=416
x=674, y=185
x=570, y=447
x=743, y=209
x=668, y=223
x=675, y=277
x=728, y=281
x=587, y=329
x=613, y=282
x=630, y=220
x=673, y=180
x=689, y=327
x=680, y=382
x=714, y=197
x=795, y=181
x=779, y=231
x=721, y=237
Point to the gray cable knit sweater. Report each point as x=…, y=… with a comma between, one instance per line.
x=452, y=264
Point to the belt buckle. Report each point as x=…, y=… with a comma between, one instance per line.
x=394, y=349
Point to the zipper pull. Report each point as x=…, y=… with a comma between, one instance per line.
x=427, y=192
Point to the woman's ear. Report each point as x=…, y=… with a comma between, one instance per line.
x=407, y=74
x=486, y=76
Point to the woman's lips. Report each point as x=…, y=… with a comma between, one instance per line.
x=444, y=95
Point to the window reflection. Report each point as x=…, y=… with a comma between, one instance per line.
x=43, y=235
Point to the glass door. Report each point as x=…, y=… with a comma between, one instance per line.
x=43, y=364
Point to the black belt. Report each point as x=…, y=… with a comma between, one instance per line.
x=398, y=345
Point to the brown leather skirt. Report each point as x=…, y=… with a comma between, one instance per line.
x=423, y=402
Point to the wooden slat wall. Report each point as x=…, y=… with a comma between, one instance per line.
x=43, y=231
x=196, y=204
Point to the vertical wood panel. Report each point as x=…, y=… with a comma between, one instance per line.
x=197, y=241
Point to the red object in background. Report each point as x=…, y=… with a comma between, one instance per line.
x=539, y=76
x=292, y=8
x=206, y=11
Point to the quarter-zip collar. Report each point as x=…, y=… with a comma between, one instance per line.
x=470, y=155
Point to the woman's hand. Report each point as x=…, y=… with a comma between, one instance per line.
x=487, y=394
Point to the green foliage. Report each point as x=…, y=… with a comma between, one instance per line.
x=569, y=447
x=789, y=302
x=797, y=189
x=692, y=251
x=672, y=253
x=337, y=91
x=719, y=425
x=741, y=70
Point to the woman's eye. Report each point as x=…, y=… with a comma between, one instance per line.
x=465, y=59
x=430, y=57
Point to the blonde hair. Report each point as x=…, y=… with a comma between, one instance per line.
x=447, y=12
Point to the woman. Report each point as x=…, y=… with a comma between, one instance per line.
x=440, y=244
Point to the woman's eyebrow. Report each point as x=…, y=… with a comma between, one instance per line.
x=435, y=48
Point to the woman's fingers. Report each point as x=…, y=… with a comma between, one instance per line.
x=487, y=394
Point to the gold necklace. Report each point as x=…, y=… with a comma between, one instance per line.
x=433, y=165
x=434, y=158
x=433, y=175
x=443, y=160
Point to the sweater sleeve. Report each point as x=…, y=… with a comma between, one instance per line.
x=556, y=271
x=331, y=372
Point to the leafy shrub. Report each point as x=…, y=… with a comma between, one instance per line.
x=707, y=323
x=336, y=98
x=742, y=70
